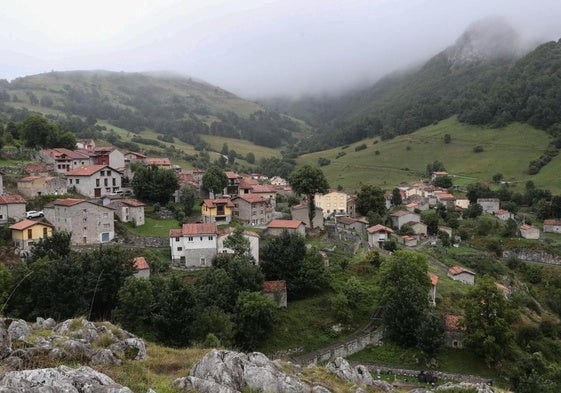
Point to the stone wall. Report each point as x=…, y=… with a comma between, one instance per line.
x=529, y=255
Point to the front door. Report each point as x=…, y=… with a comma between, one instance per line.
x=97, y=192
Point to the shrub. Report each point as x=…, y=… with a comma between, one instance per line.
x=361, y=147
x=478, y=149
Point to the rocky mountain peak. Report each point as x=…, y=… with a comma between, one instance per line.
x=487, y=39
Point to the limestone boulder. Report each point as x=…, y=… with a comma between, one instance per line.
x=19, y=330
x=5, y=342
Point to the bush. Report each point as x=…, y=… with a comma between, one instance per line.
x=322, y=161
x=361, y=147
x=478, y=149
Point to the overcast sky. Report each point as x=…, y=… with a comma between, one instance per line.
x=251, y=47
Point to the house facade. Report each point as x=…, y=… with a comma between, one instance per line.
x=217, y=210
x=489, y=205
x=64, y=160
x=88, y=222
x=432, y=291
x=552, y=225
x=300, y=212
x=276, y=291
x=27, y=232
x=94, y=181
x=458, y=273
x=33, y=186
x=334, y=202
x=378, y=235
x=12, y=207
x=129, y=210
x=276, y=227
x=454, y=332
x=194, y=245
x=402, y=217
x=252, y=237
x=141, y=267
x=529, y=232
x=251, y=209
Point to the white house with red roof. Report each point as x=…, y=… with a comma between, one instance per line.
x=11, y=207
x=276, y=227
x=94, y=181
x=129, y=210
x=89, y=222
x=378, y=235
x=64, y=160
x=529, y=232
x=458, y=273
x=552, y=225
x=194, y=245
x=252, y=237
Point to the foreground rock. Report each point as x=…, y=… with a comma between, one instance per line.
x=74, y=340
x=464, y=386
x=359, y=374
x=60, y=379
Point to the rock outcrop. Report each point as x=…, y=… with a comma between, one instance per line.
x=358, y=374
x=74, y=339
x=464, y=386
x=60, y=379
x=229, y=372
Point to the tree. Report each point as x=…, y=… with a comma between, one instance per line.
x=238, y=243
x=443, y=181
x=254, y=316
x=135, y=301
x=396, y=197
x=487, y=321
x=430, y=334
x=250, y=158
x=404, y=289
x=309, y=181
x=214, y=180
x=511, y=228
x=430, y=219
x=38, y=132
x=435, y=166
x=371, y=199
x=447, y=138
x=153, y=184
x=497, y=177
x=53, y=247
x=187, y=200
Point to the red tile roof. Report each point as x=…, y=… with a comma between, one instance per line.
x=20, y=226
x=29, y=178
x=132, y=202
x=68, y=201
x=455, y=270
x=8, y=199
x=451, y=322
x=228, y=230
x=400, y=213
x=140, y=263
x=433, y=278
x=288, y=224
x=138, y=155
x=86, y=170
x=61, y=153
x=274, y=286
x=218, y=201
x=526, y=227
x=264, y=188
x=251, y=198
x=552, y=221
x=195, y=229
x=231, y=175
x=158, y=161
x=379, y=228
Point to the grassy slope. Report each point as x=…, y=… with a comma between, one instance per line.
x=404, y=159
x=241, y=146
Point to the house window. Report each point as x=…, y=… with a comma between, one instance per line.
x=77, y=181
x=203, y=261
x=106, y=226
x=179, y=248
x=70, y=180
x=97, y=182
x=30, y=233
x=105, y=182
x=44, y=232
x=211, y=238
x=114, y=181
x=201, y=238
x=108, y=173
x=176, y=239
x=102, y=173
x=190, y=238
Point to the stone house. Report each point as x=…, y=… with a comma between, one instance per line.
x=85, y=144
x=276, y=291
x=462, y=203
x=141, y=267
x=88, y=222
x=334, y=202
x=419, y=228
x=27, y=232
x=378, y=235
x=252, y=237
x=12, y=207
x=107, y=155
x=267, y=191
x=94, y=181
x=194, y=245
x=351, y=206
x=233, y=186
x=278, y=181
x=445, y=229
x=454, y=333
x=129, y=210
x=162, y=163
x=217, y=210
x=252, y=209
x=489, y=205
x=403, y=217
x=38, y=169
x=529, y=232
x=33, y=186
x=350, y=223
x=432, y=291
x=64, y=160
x=407, y=241
x=133, y=157
x=276, y=227
x=552, y=225
x=458, y=273
x=300, y=212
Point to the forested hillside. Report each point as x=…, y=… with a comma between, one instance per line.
x=170, y=105
x=483, y=79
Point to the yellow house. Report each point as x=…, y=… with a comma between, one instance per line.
x=334, y=202
x=217, y=210
x=25, y=233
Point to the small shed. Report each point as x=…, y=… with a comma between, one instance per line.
x=276, y=291
x=458, y=273
x=454, y=333
x=529, y=232
x=142, y=268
